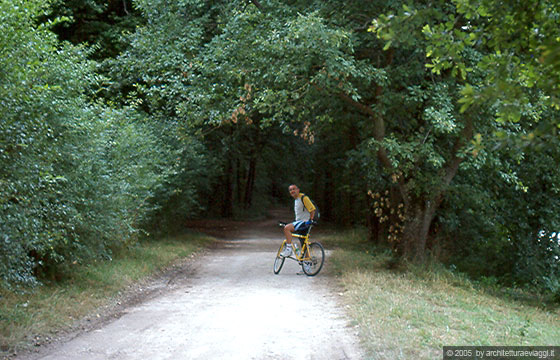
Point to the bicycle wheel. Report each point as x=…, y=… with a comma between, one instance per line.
x=279, y=261
x=316, y=254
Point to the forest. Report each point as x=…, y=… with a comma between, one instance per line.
x=433, y=123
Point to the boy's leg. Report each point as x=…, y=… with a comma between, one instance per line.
x=288, y=230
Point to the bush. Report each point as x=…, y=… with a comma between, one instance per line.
x=76, y=176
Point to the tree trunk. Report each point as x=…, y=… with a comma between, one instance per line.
x=419, y=215
x=258, y=144
x=375, y=228
x=238, y=182
x=416, y=229
x=250, y=184
x=328, y=195
x=227, y=205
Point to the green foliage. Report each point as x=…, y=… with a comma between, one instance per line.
x=99, y=23
x=210, y=107
x=153, y=76
x=76, y=175
x=494, y=228
x=228, y=75
x=520, y=42
x=507, y=196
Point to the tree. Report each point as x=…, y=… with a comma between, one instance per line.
x=97, y=23
x=387, y=113
x=217, y=106
x=77, y=175
x=522, y=47
x=500, y=62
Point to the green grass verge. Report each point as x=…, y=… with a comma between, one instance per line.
x=412, y=313
x=32, y=314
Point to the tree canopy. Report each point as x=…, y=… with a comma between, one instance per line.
x=434, y=123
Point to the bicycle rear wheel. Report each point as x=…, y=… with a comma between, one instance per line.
x=314, y=262
x=279, y=261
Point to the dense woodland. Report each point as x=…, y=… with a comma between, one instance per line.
x=433, y=123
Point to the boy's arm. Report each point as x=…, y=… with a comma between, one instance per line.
x=309, y=206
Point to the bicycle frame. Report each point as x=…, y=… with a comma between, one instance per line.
x=304, y=246
x=304, y=241
x=311, y=257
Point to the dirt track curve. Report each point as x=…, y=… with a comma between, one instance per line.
x=227, y=304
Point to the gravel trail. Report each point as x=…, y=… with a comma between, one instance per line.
x=228, y=305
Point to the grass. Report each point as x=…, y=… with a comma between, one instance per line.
x=33, y=315
x=411, y=313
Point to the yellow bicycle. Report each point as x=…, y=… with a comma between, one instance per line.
x=311, y=256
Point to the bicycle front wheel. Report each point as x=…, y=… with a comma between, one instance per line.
x=279, y=261
x=313, y=263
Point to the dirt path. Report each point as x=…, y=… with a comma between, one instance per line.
x=228, y=305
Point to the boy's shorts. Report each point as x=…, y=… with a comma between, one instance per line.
x=300, y=226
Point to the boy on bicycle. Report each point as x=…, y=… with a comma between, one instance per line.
x=304, y=211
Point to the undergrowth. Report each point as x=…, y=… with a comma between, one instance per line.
x=406, y=311
x=31, y=316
